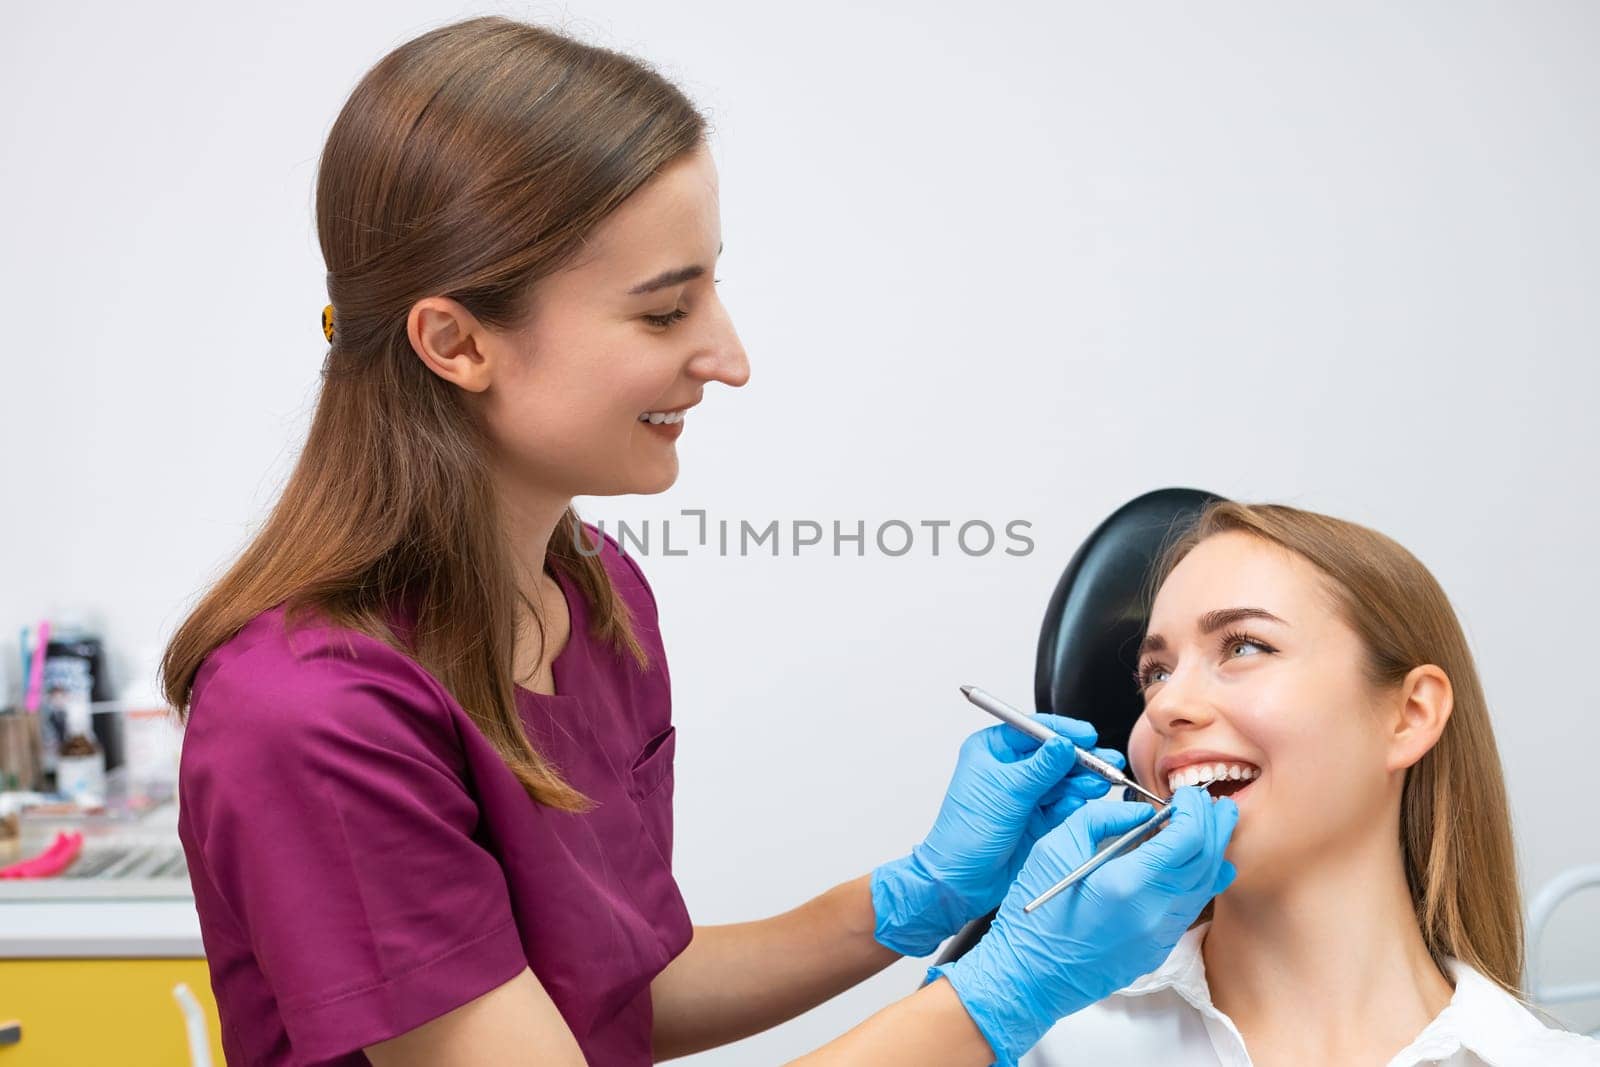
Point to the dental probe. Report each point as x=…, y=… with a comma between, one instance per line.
x=1031, y=726
x=1093, y=863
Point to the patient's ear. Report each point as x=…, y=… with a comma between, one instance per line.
x=1426, y=700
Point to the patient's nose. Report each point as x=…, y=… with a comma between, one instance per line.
x=1177, y=710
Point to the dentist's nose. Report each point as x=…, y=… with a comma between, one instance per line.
x=723, y=360
x=734, y=366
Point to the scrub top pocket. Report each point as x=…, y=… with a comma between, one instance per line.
x=654, y=763
x=650, y=787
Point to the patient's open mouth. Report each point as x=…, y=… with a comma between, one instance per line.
x=1220, y=779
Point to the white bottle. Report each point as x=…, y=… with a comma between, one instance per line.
x=81, y=764
x=151, y=734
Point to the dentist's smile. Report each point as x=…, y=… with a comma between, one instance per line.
x=668, y=424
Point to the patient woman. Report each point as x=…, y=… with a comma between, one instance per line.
x=1314, y=670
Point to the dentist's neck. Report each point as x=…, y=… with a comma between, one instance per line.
x=1327, y=959
x=531, y=518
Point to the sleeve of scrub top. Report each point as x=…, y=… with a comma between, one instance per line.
x=338, y=826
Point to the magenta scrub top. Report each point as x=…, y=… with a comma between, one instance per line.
x=363, y=861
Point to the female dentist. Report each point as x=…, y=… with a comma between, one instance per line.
x=427, y=774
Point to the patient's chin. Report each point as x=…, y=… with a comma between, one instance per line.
x=1266, y=865
x=1253, y=873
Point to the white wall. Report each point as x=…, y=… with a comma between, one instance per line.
x=1009, y=261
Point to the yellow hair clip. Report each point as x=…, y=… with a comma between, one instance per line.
x=327, y=323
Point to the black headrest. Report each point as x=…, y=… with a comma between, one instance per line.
x=1092, y=626
x=1089, y=641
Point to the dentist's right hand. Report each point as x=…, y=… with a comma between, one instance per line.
x=1119, y=923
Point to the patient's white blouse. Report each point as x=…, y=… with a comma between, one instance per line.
x=1167, y=1018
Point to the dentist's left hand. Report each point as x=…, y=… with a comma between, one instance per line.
x=1008, y=790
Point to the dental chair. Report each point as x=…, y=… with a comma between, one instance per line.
x=1562, y=887
x=1092, y=627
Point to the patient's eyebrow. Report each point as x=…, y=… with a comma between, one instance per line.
x=671, y=277
x=1210, y=623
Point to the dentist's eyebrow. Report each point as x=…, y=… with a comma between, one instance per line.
x=668, y=278
x=1210, y=623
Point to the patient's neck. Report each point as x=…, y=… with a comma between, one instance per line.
x=1326, y=966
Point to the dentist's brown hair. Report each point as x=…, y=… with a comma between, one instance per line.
x=1455, y=823
x=469, y=162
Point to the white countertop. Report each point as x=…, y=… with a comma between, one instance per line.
x=52, y=919
x=99, y=929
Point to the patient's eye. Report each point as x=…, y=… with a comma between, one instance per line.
x=1234, y=640
x=1233, y=644
x=1148, y=675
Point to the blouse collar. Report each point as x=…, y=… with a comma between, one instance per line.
x=1480, y=1017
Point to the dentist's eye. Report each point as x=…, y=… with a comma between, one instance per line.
x=1235, y=640
x=675, y=315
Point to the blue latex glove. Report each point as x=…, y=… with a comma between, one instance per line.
x=1119, y=923
x=1008, y=790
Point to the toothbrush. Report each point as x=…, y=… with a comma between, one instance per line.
x=36, y=673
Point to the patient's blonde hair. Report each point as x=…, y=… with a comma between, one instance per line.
x=1455, y=824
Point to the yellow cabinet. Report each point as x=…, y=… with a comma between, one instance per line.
x=89, y=1012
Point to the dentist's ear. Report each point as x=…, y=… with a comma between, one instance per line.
x=449, y=341
x=1426, y=700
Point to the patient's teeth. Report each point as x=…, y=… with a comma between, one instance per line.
x=1206, y=773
